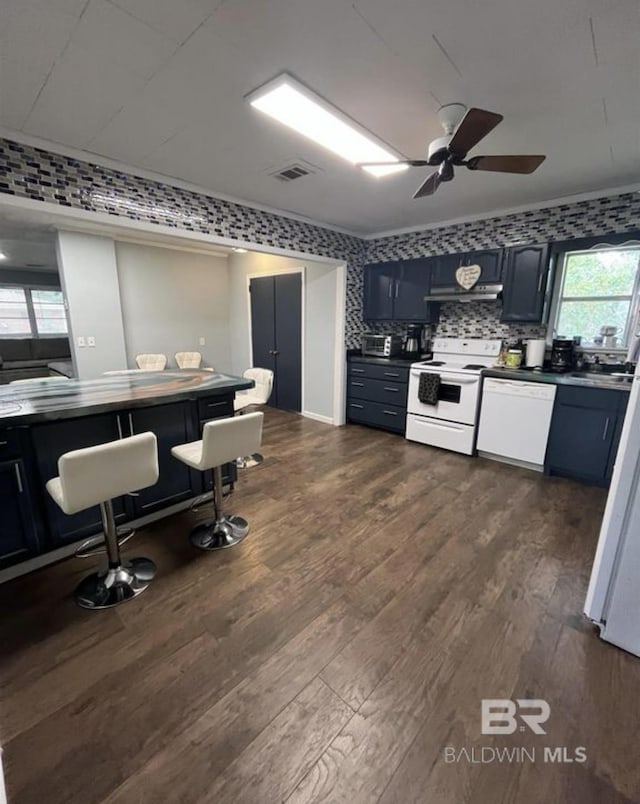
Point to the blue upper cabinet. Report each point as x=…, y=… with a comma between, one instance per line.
x=445, y=267
x=395, y=291
x=525, y=283
x=412, y=283
x=378, y=290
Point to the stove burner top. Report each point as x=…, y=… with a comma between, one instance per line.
x=474, y=366
x=436, y=363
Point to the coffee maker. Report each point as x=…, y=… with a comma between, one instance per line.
x=562, y=355
x=412, y=347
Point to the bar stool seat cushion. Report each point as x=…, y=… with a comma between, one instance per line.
x=222, y=441
x=93, y=475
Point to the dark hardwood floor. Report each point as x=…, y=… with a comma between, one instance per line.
x=384, y=590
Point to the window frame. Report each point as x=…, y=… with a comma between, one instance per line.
x=33, y=323
x=561, y=253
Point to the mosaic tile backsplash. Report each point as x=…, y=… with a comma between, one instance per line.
x=44, y=176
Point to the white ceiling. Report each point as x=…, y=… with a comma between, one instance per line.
x=159, y=85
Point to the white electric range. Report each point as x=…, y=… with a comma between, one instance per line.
x=452, y=421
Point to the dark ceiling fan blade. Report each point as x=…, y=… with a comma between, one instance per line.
x=506, y=164
x=473, y=127
x=410, y=162
x=429, y=186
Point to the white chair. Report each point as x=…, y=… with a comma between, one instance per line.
x=259, y=394
x=96, y=476
x=188, y=360
x=151, y=362
x=222, y=440
x=40, y=379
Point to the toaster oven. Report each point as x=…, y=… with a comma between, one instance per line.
x=381, y=345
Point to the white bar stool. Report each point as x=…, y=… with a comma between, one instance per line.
x=96, y=476
x=222, y=440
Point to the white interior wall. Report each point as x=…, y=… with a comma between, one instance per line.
x=89, y=279
x=170, y=299
x=320, y=285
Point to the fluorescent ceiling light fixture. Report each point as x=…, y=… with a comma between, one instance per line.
x=290, y=103
x=239, y=250
x=3, y=256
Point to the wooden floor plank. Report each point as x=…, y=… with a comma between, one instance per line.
x=385, y=589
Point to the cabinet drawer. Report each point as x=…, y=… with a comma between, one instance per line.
x=592, y=398
x=377, y=371
x=214, y=407
x=389, y=417
x=9, y=444
x=389, y=392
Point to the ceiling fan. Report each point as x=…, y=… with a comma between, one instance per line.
x=462, y=133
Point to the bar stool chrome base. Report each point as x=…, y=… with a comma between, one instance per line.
x=226, y=532
x=102, y=590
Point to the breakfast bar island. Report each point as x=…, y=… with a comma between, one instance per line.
x=39, y=421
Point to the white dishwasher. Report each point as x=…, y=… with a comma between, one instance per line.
x=515, y=418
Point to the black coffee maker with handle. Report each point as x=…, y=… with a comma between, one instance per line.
x=413, y=341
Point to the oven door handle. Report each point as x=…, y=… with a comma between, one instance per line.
x=449, y=379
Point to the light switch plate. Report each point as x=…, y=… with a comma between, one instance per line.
x=202, y=341
x=81, y=341
x=91, y=341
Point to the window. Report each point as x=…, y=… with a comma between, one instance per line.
x=31, y=312
x=49, y=312
x=596, y=290
x=14, y=313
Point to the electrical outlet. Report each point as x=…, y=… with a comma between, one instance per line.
x=91, y=341
x=202, y=341
x=81, y=342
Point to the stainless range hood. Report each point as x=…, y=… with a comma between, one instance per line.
x=454, y=293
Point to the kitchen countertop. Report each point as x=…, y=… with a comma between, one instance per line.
x=46, y=401
x=398, y=360
x=605, y=381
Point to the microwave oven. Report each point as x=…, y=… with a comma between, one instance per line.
x=381, y=345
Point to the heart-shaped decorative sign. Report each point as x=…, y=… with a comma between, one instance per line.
x=468, y=275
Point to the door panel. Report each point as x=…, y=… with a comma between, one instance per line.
x=525, y=283
x=411, y=286
x=177, y=482
x=263, y=332
x=377, y=299
x=17, y=532
x=53, y=440
x=288, y=327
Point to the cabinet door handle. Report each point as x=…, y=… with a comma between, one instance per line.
x=357, y=371
x=540, y=283
x=393, y=390
x=606, y=429
x=3, y=443
x=353, y=405
x=215, y=404
x=119, y=426
x=358, y=384
x=391, y=374
x=390, y=412
x=390, y=289
x=18, y=478
x=131, y=430
x=396, y=284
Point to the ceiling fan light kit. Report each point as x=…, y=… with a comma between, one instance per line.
x=463, y=131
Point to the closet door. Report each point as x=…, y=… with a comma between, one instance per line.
x=276, y=335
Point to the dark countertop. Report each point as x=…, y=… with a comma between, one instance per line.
x=606, y=381
x=29, y=403
x=385, y=361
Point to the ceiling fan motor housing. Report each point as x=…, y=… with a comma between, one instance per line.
x=438, y=150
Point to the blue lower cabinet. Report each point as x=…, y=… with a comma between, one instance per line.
x=585, y=432
x=50, y=441
x=177, y=482
x=18, y=537
x=377, y=393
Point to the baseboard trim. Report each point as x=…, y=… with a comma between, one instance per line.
x=317, y=417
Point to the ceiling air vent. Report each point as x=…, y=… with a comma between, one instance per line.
x=291, y=172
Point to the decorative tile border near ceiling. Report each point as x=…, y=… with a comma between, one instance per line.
x=619, y=213
x=41, y=175
x=44, y=176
